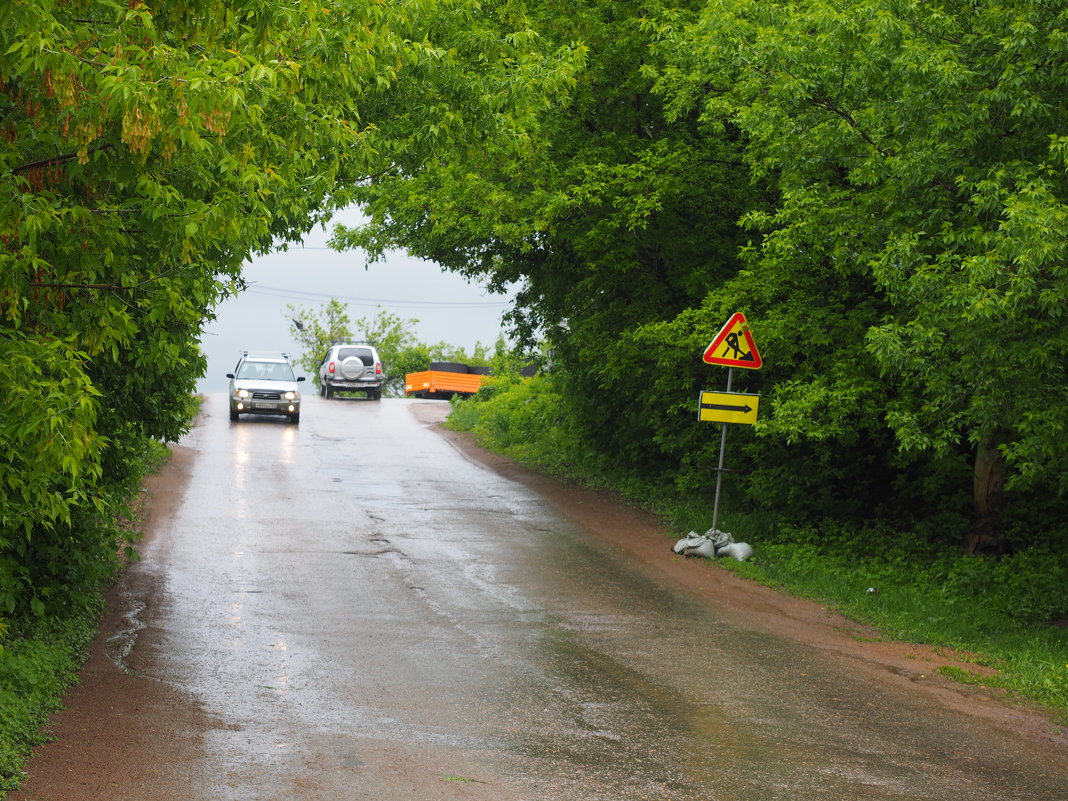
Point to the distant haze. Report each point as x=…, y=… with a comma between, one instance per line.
x=448, y=307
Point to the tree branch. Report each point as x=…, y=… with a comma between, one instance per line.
x=54, y=160
x=834, y=108
x=57, y=285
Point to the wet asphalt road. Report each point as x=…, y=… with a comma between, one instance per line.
x=364, y=613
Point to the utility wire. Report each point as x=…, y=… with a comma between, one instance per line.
x=303, y=294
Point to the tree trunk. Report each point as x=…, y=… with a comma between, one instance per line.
x=988, y=496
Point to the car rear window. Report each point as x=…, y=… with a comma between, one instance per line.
x=363, y=354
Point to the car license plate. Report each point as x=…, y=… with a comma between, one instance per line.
x=263, y=405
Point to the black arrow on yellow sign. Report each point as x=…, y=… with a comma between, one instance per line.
x=728, y=407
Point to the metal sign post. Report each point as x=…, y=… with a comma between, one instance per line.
x=722, y=457
x=732, y=347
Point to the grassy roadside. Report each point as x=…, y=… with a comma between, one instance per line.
x=41, y=651
x=38, y=663
x=994, y=612
x=1000, y=613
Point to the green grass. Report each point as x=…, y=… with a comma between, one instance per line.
x=915, y=598
x=999, y=611
x=37, y=665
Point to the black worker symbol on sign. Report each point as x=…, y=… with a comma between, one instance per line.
x=734, y=344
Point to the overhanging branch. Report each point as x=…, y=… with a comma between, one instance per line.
x=48, y=162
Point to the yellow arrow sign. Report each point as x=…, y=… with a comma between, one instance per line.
x=728, y=407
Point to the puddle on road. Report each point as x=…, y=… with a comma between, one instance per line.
x=120, y=645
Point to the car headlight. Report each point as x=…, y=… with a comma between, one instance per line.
x=292, y=395
x=242, y=393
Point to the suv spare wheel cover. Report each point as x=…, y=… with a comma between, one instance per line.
x=352, y=367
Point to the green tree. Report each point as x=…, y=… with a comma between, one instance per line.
x=918, y=150
x=612, y=219
x=315, y=331
x=146, y=150
x=878, y=184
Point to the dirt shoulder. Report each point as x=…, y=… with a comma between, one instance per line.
x=645, y=540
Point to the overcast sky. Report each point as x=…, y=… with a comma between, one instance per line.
x=448, y=308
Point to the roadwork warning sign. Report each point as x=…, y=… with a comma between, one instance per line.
x=734, y=346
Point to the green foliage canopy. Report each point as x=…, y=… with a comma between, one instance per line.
x=148, y=148
x=918, y=148
x=611, y=219
x=879, y=184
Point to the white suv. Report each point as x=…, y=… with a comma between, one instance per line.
x=264, y=385
x=351, y=368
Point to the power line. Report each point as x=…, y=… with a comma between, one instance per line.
x=303, y=294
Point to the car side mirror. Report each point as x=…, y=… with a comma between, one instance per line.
x=300, y=378
x=229, y=375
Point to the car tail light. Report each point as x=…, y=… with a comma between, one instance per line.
x=330, y=369
x=378, y=368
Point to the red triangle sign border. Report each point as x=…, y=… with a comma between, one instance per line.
x=752, y=361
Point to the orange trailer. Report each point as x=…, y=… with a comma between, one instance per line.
x=441, y=384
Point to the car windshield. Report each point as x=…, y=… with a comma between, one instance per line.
x=266, y=371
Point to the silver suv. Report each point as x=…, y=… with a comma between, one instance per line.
x=264, y=385
x=351, y=368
